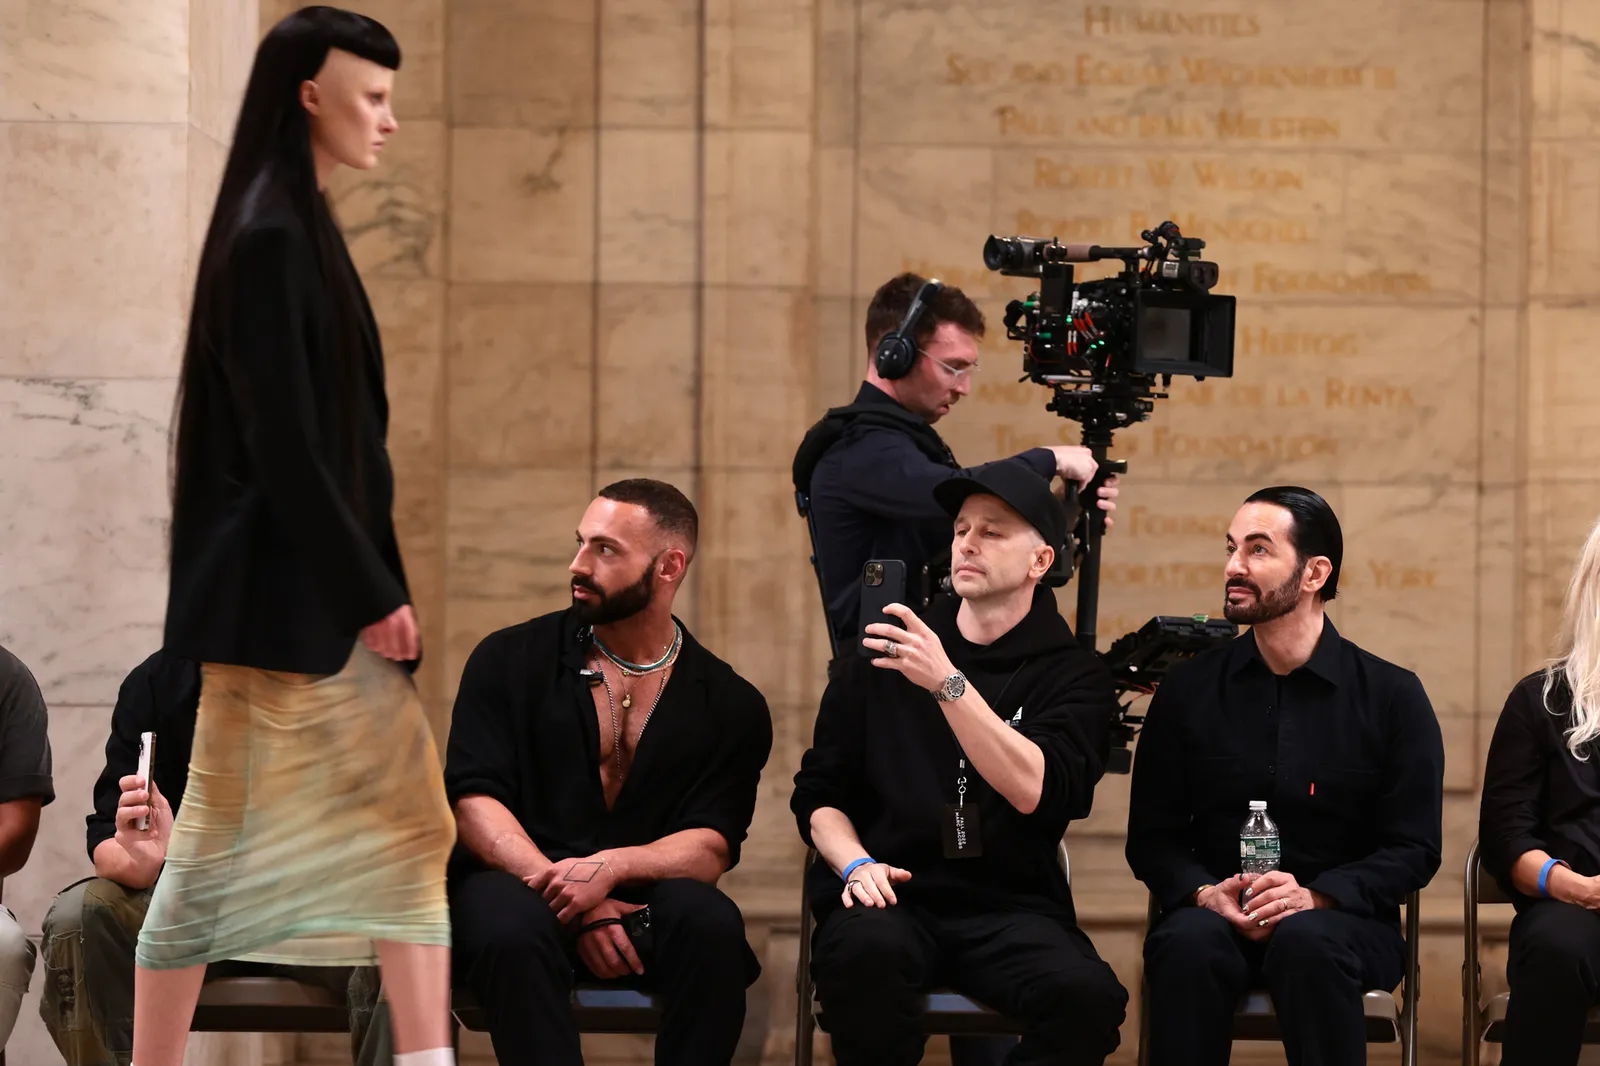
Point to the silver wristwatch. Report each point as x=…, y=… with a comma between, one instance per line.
x=954, y=687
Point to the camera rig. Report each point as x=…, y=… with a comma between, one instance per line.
x=1108, y=349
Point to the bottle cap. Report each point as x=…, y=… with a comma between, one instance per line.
x=1258, y=805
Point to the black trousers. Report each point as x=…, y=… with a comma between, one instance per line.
x=521, y=964
x=1554, y=973
x=872, y=966
x=1317, y=966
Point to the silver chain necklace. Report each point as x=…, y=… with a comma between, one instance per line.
x=630, y=669
x=627, y=701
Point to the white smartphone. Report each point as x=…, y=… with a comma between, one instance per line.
x=147, y=754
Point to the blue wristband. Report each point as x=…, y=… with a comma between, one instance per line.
x=845, y=876
x=1544, y=876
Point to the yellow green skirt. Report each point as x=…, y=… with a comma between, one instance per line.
x=314, y=822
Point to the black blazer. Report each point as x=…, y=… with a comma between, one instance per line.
x=279, y=556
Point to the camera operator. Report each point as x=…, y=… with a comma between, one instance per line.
x=870, y=467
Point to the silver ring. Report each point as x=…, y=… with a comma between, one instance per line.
x=891, y=649
x=854, y=881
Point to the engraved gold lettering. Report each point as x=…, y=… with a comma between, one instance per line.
x=1243, y=230
x=965, y=70
x=1217, y=174
x=1143, y=522
x=1014, y=120
x=1186, y=576
x=1223, y=74
x=1161, y=171
x=1243, y=446
x=1391, y=576
x=1050, y=72
x=1363, y=395
x=1052, y=174
x=1276, y=127
x=1092, y=71
x=1104, y=20
x=1259, y=340
x=1269, y=278
x=1071, y=228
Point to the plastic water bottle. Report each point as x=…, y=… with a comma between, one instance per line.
x=1258, y=841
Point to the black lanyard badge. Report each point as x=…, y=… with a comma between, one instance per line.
x=960, y=826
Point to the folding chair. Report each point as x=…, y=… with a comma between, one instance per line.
x=268, y=1005
x=944, y=1012
x=1482, y=1021
x=1387, y=1021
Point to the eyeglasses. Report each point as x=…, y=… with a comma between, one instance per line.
x=956, y=372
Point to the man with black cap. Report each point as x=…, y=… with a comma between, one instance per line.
x=941, y=778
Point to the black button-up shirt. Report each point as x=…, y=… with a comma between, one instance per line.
x=1345, y=750
x=525, y=733
x=1538, y=796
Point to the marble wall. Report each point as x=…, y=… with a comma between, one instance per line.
x=616, y=237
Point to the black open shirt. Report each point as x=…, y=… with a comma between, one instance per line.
x=524, y=732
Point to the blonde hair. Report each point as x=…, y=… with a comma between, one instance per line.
x=1577, y=660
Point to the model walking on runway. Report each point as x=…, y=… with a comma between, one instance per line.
x=315, y=828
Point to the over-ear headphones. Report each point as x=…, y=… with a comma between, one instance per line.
x=897, y=351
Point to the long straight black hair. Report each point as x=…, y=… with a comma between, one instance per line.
x=270, y=164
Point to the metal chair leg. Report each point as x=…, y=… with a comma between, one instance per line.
x=805, y=1026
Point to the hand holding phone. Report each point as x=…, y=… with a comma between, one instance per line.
x=883, y=581
x=147, y=754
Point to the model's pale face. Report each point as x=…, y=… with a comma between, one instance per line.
x=350, y=109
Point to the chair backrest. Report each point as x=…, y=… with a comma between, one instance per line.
x=1488, y=888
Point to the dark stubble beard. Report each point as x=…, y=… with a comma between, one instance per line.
x=615, y=606
x=1264, y=608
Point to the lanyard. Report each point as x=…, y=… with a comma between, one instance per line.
x=961, y=759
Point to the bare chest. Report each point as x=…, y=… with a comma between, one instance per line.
x=623, y=706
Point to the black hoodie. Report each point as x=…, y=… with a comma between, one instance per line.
x=884, y=754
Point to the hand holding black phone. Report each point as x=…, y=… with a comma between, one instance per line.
x=883, y=581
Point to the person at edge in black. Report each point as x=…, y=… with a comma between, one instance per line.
x=921, y=883
x=591, y=845
x=1539, y=833
x=871, y=466
x=1345, y=749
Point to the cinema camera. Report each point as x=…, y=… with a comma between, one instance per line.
x=1108, y=349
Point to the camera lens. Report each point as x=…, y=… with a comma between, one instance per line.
x=1002, y=253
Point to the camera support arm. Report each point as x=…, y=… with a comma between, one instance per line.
x=1098, y=441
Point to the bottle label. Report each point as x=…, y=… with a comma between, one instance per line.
x=1258, y=849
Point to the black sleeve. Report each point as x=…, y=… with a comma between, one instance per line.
x=24, y=736
x=830, y=770
x=1513, y=780
x=480, y=757
x=269, y=375
x=1410, y=805
x=1159, y=808
x=1073, y=730
x=724, y=796
x=884, y=473
x=134, y=713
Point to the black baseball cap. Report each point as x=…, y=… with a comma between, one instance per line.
x=1024, y=491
